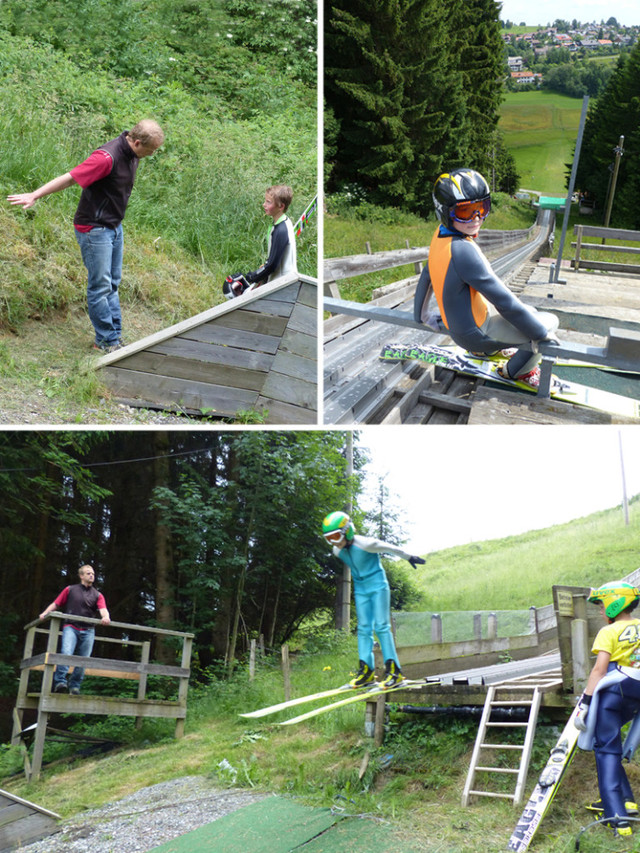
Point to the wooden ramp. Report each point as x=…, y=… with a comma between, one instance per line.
x=254, y=353
x=22, y=822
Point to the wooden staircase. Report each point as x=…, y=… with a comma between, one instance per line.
x=494, y=760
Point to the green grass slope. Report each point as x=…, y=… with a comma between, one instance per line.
x=519, y=571
x=540, y=130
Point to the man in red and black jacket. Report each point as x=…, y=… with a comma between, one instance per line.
x=80, y=599
x=106, y=178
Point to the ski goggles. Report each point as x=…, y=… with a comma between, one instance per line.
x=466, y=211
x=334, y=537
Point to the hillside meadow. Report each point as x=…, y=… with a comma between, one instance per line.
x=540, y=130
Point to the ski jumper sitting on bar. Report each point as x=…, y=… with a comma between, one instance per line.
x=611, y=699
x=372, y=595
x=460, y=277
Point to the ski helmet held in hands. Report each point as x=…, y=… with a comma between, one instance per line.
x=337, y=522
x=460, y=195
x=615, y=596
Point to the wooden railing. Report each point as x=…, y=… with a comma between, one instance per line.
x=578, y=262
x=40, y=666
x=434, y=657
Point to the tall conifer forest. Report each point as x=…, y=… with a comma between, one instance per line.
x=413, y=88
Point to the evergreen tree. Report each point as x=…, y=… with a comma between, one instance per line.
x=413, y=87
x=616, y=113
x=364, y=84
x=480, y=56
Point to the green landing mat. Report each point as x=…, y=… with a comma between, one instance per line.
x=278, y=825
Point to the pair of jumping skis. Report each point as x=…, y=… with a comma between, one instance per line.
x=361, y=694
x=487, y=367
x=546, y=788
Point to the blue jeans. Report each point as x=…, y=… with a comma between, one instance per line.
x=74, y=642
x=101, y=250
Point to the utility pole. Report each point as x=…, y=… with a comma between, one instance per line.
x=625, y=503
x=572, y=181
x=618, y=151
x=343, y=597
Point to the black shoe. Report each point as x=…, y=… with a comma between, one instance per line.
x=61, y=687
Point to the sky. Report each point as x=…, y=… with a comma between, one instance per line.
x=460, y=485
x=626, y=12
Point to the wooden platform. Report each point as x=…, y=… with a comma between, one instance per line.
x=22, y=822
x=254, y=353
x=498, y=406
x=589, y=302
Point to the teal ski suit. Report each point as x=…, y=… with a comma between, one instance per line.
x=372, y=594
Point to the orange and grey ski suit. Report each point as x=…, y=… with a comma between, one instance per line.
x=465, y=287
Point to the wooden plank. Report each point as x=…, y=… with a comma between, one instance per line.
x=295, y=365
x=604, y=247
x=287, y=294
x=275, y=307
x=288, y=389
x=251, y=321
x=300, y=343
x=308, y=295
x=285, y=413
x=31, y=828
x=214, y=353
x=607, y=265
x=444, y=401
x=304, y=318
x=336, y=269
x=63, y=703
x=609, y=233
x=131, y=676
x=197, y=371
x=210, y=333
x=13, y=812
x=105, y=664
x=179, y=394
x=492, y=406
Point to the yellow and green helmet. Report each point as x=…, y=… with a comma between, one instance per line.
x=615, y=596
x=338, y=522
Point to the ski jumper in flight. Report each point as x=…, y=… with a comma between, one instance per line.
x=479, y=312
x=371, y=593
x=611, y=699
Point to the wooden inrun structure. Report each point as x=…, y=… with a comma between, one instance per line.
x=257, y=353
x=22, y=822
x=471, y=675
x=40, y=665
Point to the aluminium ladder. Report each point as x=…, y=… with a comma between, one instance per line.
x=524, y=693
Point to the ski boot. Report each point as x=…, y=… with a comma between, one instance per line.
x=364, y=676
x=630, y=807
x=393, y=676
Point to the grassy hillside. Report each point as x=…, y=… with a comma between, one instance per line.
x=540, y=130
x=519, y=571
x=201, y=193
x=239, y=114
x=415, y=779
